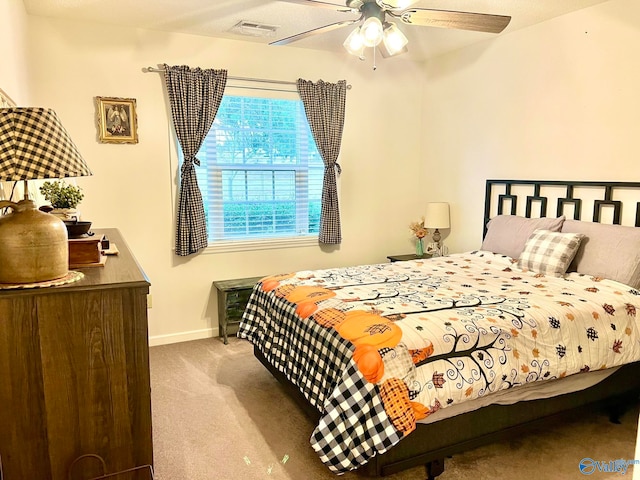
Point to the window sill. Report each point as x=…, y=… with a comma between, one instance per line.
x=261, y=244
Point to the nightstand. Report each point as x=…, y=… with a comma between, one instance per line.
x=410, y=256
x=233, y=296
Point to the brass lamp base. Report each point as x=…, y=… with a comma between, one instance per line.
x=33, y=245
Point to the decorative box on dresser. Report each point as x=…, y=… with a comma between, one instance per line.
x=74, y=374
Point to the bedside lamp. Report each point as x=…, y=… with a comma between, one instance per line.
x=34, y=145
x=436, y=217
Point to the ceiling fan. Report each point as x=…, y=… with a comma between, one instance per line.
x=375, y=30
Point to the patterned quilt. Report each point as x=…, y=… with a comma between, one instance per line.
x=377, y=348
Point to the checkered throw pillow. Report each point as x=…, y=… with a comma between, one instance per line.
x=549, y=253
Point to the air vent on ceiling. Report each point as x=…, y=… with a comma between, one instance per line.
x=254, y=29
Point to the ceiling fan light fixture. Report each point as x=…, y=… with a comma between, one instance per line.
x=393, y=38
x=354, y=43
x=372, y=31
x=402, y=4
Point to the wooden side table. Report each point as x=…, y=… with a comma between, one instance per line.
x=233, y=296
x=410, y=256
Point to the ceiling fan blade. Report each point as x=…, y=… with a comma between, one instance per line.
x=315, y=31
x=479, y=22
x=316, y=3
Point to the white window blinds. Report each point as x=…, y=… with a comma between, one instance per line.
x=260, y=173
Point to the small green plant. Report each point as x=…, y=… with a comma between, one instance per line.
x=61, y=195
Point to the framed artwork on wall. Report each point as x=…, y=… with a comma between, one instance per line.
x=5, y=100
x=117, y=120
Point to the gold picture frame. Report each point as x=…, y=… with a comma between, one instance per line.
x=5, y=100
x=117, y=120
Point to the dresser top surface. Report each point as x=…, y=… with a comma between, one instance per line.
x=121, y=270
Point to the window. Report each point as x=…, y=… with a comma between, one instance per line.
x=261, y=173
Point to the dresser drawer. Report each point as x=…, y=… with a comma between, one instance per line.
x=238, y=299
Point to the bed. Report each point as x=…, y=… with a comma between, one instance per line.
x=406, y=363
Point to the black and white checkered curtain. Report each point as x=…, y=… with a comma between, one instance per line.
x=324, y=105
x=194, y=96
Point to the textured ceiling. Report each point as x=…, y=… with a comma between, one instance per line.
x=215, y=18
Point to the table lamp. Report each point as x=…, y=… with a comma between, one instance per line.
x=436, y=217
x=34, y=145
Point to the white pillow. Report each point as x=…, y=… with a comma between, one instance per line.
x=549, y=253
x=507, y=234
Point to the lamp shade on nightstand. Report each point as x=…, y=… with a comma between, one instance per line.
x=34, y=145
x=437, y=215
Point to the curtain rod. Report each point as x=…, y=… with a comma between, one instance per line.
x=246, y=79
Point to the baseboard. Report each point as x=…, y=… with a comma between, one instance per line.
x=182, y=336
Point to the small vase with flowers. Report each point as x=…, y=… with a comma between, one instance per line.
x=419, y=232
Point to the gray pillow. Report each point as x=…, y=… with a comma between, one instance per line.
x=508, y=234
x=608, y=251
x=549, y=253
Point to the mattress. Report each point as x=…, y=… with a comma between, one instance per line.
x=378, y=348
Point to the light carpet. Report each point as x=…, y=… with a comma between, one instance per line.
x=218, y=414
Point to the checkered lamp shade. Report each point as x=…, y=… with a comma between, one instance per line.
x=34, y=144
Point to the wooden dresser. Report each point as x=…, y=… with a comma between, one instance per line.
x=74, y=374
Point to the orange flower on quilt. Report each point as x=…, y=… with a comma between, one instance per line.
x=421, y=354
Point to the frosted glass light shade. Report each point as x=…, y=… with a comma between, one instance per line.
x=394, y=39
x=372, y=31
x=354, y=43
x=437, y=215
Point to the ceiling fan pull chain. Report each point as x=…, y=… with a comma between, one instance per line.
x=375, y=67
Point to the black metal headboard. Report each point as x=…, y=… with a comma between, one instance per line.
x=501, y=194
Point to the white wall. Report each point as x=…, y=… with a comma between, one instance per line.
x=14, y=78
x=133, y=186
x=558, y=100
